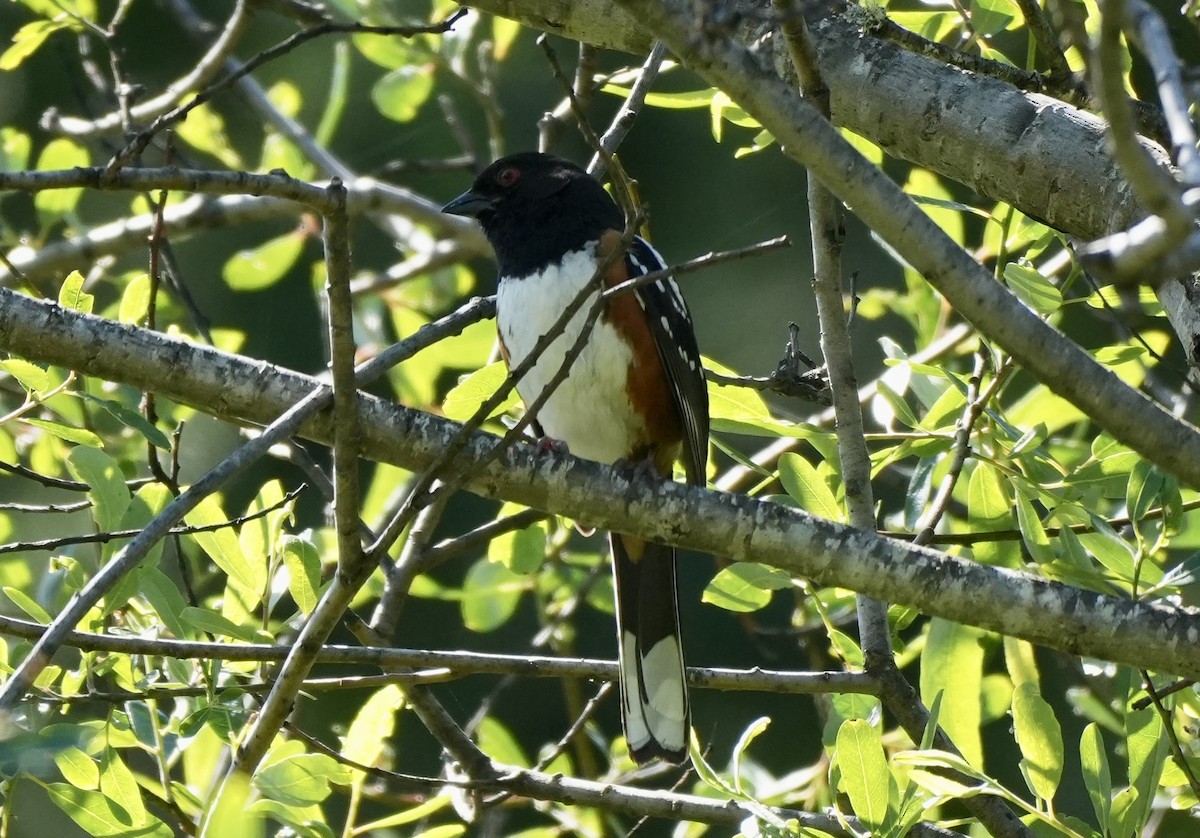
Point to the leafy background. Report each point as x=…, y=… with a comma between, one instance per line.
x=1056, y=733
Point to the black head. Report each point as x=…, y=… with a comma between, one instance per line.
x=536, y=207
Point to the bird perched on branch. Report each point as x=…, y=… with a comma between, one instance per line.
x=634, y=395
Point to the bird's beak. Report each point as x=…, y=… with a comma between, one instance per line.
x=469, y=203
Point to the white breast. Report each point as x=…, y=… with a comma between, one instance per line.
x=590, y=410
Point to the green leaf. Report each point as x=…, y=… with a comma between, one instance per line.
x=27, y=604
x=217, y=624
x=98, y=816
x=14, y=149
x=1033, y=289
x=449, y=830
x=1032, y=531
x=230, y=813
x=1112, y=551
x=952, y=665
x=1040, y=739
x=222, y=545
x=204, y=130
x=522, y=551
x=989, y=17
x=1020, y=659
x=497, y=741
x=490, y=595
x=745, y=586
x=31, y=376
x=300, y=779
x=866, y=779
x=262, y=266
x=1144, y=490
x=1094, y=763
x=164, y=597
x=419, y=812
x=72, y=295
x=373, y=726
x=52, y=204
x=304, y=571
x=77, y=768
x=67, y=433
x=27, y=40
x=117, y=783
x=752, y=732
x=899, y=407
x=132, y=419
x=1146, y=745
x=802, y=482
x=108, y=493
x=473, y=390
x=400, y=94
x=135, y=299
x=988, y=500
x=684, y=99
x=504, y=33
x=1124, y=819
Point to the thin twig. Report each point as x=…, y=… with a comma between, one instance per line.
x=340, y=307
x=132, y=553
x=623, y=187
x=1168, y=723
x=708, y=260
x=106, y=537
x=1047, y=42
x=623, y=121
x=976, y=403
x=200, y=75
x=175, y=115
x=51, y=482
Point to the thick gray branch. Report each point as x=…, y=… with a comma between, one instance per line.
x=1014, y=603
x=1042, y=156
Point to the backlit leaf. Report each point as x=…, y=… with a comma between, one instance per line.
x=952, y=665
x=108, y=493
x=1040, y=739
x=1033, y=289
x=400, y=94
x=60, y=153
x=490, y=595
x=373, y=726
x=1094, y=763
x=473, y=390
x=72, y=295
x=803, y=483
x=866, y=779
x=262, y=266
x=304, y=571
x=745, y=586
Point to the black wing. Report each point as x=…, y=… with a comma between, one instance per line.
x=675, y=338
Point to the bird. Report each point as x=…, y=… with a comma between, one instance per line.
x=635, y=396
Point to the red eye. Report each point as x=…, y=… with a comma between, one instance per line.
x=508, y=176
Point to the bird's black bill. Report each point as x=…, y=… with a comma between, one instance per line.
x=469, y=204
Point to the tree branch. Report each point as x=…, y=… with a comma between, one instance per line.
x=971, y=289
x=1010, y=602
x=1008, y=145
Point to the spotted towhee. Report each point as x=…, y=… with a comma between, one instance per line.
x=635, y=394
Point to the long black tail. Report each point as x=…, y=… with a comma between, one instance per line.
x=654, y=704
